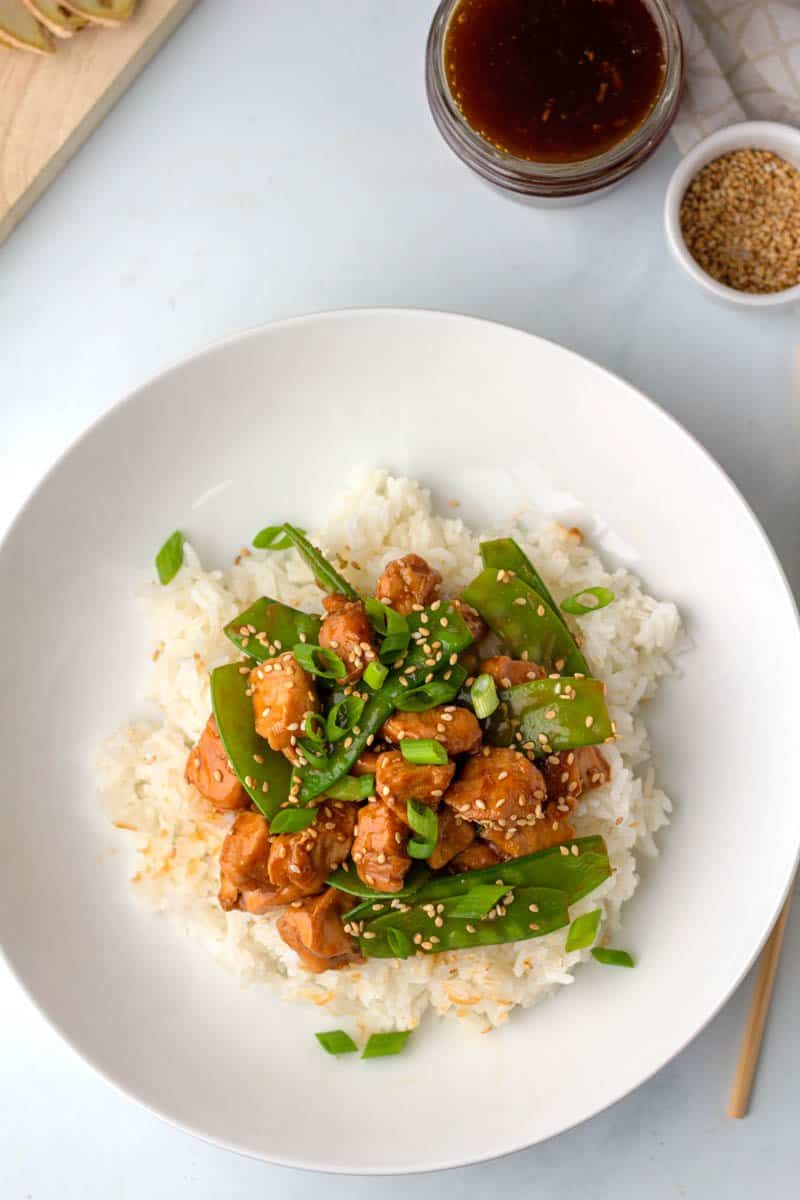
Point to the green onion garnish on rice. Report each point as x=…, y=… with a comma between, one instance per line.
x=169, y=559
x=381, y=1045
x=336, y=1041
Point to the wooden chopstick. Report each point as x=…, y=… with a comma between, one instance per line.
x=739, y=1100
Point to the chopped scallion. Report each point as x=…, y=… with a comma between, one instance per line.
x=352, y=787
x=375, y=675
x=614, y=958
x=319, y=661
x=425, y=824
x=423, y=752
x=583, y=930
x=483, y=695
x=587, y=600
x=343, y=717
x=336, y=1041
x=169, y=559
x=380, y=1045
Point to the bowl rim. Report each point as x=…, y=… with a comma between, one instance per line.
x=765, y=135
x=206, y=350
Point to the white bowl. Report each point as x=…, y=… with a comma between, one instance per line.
x=265, y=427
x=783, y=140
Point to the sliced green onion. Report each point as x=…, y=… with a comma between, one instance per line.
x=380, y=1045
x=292, y=820
x=352, y=787
x=319, y=661
x=399, y=942
x=425, y=824
x=375, y=675
x=587, y=600
x=169, y=559
x=583, y=930
x=343, y=717
x=314, y=729
x=314, y=756
x=483, y=695
x=274, y=537
x=435, y=692
x=423, y=752
x=614, y=958
x=336, y=1041
x=477, y=902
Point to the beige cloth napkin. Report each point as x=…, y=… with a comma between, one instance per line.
x=742, y=63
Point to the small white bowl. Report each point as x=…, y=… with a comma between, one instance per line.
x=783, y=140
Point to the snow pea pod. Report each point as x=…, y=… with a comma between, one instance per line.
x=508, y=555
x=326, y=576
x=561, y=714
x=574, y=874
x=277, y=627
x=532, y=912
x=263, y=772
x=527, y=625
x=437, y=635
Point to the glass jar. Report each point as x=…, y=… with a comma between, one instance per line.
x=554, y=180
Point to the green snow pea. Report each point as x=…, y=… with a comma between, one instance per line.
x=531, y=912
x=264, y=773
x=508, y=555
x=326, y=576
x=277, y=628
x=527, y=625
x=561, y=714
x=574, y=874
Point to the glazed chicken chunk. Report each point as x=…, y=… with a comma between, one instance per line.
x=456, y=728
x=347, y=632
x=455, y=835
x=313, y=928
x=477, y=855
x=244, y=863
x=528, y=839
x=300, y=863
x=208, y=769
x=509, y=672
x=397, y=781
x=572, y=772
x=283, y=694
x=408, y=582
x=499, y=787
x=379, y=849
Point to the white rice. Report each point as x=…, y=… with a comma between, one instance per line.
x=179, y=834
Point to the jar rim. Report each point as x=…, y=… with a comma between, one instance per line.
x=543, y=178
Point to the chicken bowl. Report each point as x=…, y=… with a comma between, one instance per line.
x=385, y=782
x=161, y=929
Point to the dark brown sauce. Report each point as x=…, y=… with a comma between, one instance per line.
x=554, y=80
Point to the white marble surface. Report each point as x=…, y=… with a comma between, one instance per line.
x=278, y=158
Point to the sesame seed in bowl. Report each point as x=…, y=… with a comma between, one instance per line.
x=732, y=214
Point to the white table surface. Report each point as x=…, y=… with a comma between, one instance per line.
x=278, y=158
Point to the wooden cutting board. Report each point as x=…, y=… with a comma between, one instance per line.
x=50, y=105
